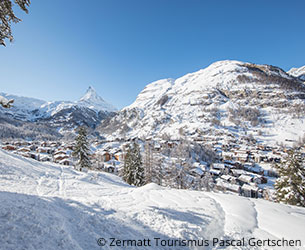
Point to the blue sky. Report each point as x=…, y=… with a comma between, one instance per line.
x=119, y=46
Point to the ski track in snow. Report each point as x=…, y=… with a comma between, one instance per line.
x=48, y=206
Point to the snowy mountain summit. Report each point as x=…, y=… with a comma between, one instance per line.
x=63, y=116
x=298, y=72
x=93, y=101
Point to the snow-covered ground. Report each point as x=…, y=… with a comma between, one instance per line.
x=48, y=206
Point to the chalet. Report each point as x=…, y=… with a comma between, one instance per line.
x=34, y=156
x=225, y=186
x=219, y=166
x=254, y=169
x=245, y=179
x=258, y=179
x=60, y=157
x=46, y=150
x=44, y=144
x=119, y=156
x=227, y=156
x=249, y=191
x=24, y=154
x=66, y=162
x=215, y=172
x=106, y=156
x=238, y=172
x=24, y=149
x=44, y=158
x=109, y=168
x=9, y=147
x=227, y=178
x=242, y=157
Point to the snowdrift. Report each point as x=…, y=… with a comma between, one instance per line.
x=48, y=206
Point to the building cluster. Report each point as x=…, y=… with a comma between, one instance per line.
x=45, y=151
x=244, y=168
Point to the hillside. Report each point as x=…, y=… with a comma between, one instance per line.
x=48, y=206
x=226, y=99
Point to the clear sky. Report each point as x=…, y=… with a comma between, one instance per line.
x=119, y=46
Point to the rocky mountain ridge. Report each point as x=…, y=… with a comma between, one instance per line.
x=59, y=116
x=226, y=99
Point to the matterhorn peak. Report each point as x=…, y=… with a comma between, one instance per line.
x=92, y=100
x=90, y=94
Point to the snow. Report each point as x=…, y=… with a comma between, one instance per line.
x=48, y=206
x=298, y=72
x=29, y=109
x=93, y=101
x=169, y=105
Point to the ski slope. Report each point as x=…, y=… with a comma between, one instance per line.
x=48, y=206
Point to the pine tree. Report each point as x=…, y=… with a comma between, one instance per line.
x=290, y=186
x=81, y=149
x=133, y=171
x=7, y=17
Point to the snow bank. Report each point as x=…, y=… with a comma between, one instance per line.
x=48, y=206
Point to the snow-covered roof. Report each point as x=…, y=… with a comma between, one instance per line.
x=249, y=187
x=245, y=178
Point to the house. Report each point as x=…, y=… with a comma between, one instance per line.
x=214, y=172
x=238, y=172
x=44, y=158
x=106, y=156
x=254, y=169
x=45, y=150
x=225, y=186
x=24, y=149
x=227, y=156
x=245, y=179
x=219, y=166
x=249, y=191
x=242, y=157
x=66, y=162
x=109, y=168
x=9, y=147
x=227, y=178
x=60, y=157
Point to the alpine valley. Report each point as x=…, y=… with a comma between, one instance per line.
x=199, y=162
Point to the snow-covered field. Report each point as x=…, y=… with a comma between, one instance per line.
x=48, y=206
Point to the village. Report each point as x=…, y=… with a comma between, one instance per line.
x=246, y=169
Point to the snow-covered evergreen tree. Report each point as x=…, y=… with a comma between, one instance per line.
x=133, y=171
x=81, y=149
x=290, y=186
x=7, y=17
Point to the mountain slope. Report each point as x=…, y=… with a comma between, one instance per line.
x=224, y=99
x=45, y=206
x=90, y=110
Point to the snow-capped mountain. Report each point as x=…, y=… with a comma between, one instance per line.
x=298, y=72
x=90, y=110
x=228, y=98
x=93, y=101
